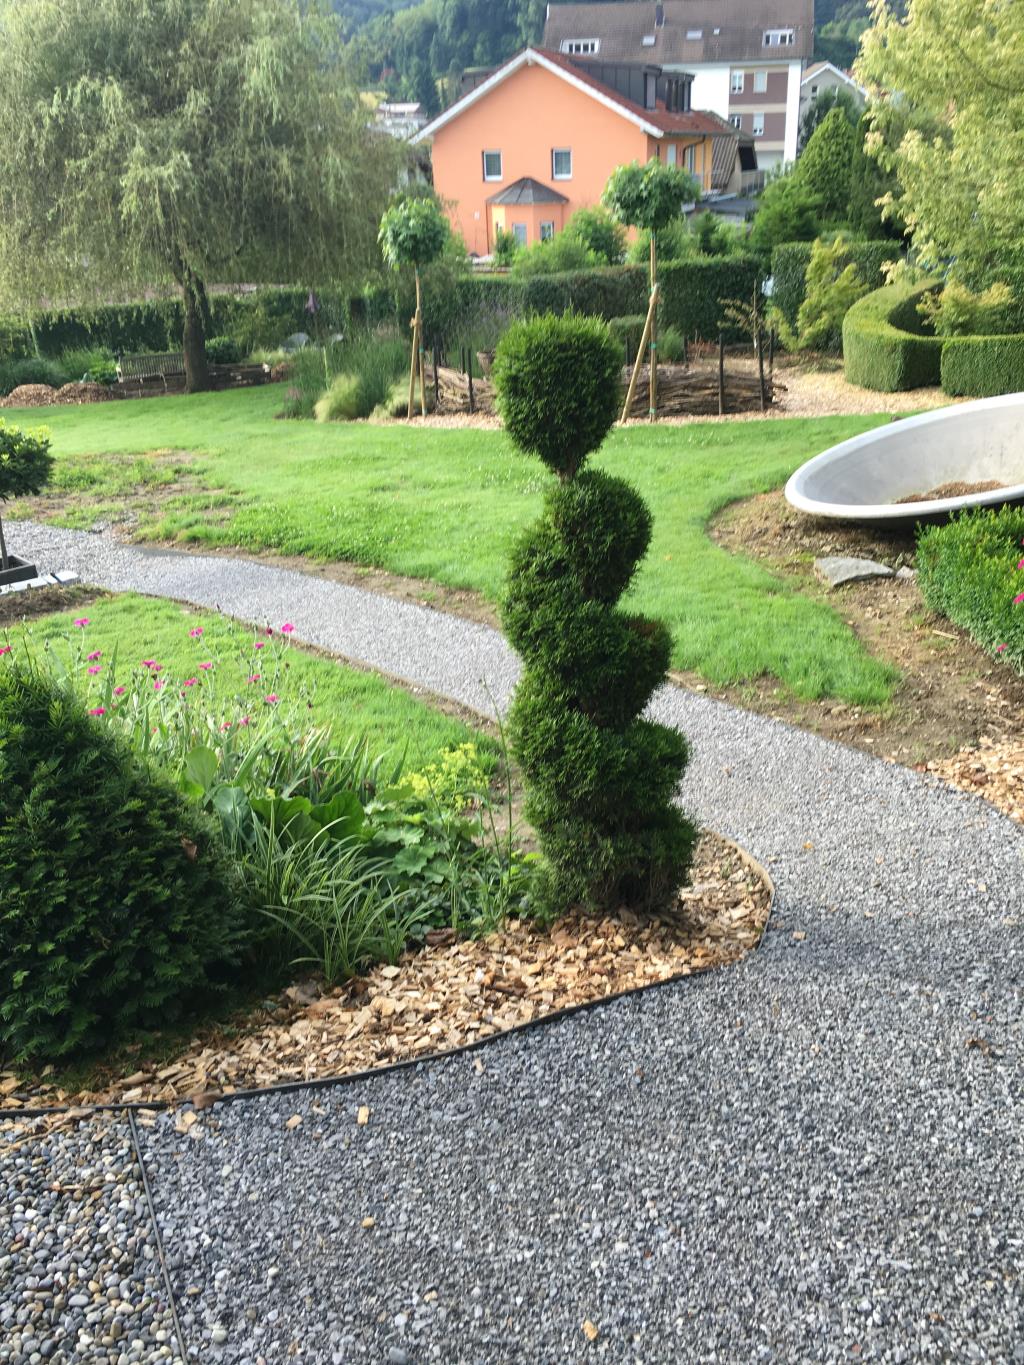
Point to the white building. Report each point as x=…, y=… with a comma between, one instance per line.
x=747, y=57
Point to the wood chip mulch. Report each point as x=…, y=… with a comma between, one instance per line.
x=449, y=993
x=993, y=770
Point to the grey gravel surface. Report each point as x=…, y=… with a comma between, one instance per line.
x=79, y=1276
x=815, y=1156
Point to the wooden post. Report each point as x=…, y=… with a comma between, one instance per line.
x=721, y=374
x=653, y=387
x=469, y=378
x=639, y=356
x=420, y=347
x=771, y=354
x=412, y=370
x=760, y=366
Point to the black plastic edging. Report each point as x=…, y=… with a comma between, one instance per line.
x=356, y=1077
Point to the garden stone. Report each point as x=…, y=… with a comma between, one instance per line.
x=295, y=342
x=839, y=569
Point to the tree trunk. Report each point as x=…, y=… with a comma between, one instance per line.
x=5, y=562
x=193, y=341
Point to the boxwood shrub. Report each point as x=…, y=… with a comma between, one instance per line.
x=883, y=347
x=118, y=909
x=982, y=366
x=967, y=571
x=791, y=259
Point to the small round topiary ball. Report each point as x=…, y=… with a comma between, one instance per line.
x=559, y=383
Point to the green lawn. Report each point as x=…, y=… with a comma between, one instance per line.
x=310, y=686
x=446, y=504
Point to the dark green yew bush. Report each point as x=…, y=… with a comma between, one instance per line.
x=600, y=779
x=118, y=909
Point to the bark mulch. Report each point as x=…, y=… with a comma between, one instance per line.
x=449, y=993
x=993, y=770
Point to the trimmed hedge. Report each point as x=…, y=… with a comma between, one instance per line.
x=791, y=259
x=982, y=366
x=883, y=346
x=967, y=571
x=629, y=331
x=692, y=293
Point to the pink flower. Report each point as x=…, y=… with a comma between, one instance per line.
x=195, y=633
x=5, y=649
x=254, y=677
x=82, y=622
x=97, y=711
x=270, y=630
x=226, y=725
x=244, y=720
x=1020, y=563
x=118, y=691
x=190, y=682
x=1018, y=598
x=148, y=663
x=96, y=668
x=260, y=644
x=96, y=654
x=271, y=698
x=287, y=628
x=205, y=667
x=1000, y=648
x=157, y=684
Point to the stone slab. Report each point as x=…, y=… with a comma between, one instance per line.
x=839, y=569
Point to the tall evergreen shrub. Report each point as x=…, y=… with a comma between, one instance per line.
x=600, y=778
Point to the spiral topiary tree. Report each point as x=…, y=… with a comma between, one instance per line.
x=600, y=778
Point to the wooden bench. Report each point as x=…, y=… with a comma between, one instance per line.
x=143, y=367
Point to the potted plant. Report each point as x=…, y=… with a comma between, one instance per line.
x=25, y=465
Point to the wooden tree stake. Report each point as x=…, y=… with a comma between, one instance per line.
x=653, y=388
x=639, y=356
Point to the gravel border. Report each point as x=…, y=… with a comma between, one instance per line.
x=814, y=1156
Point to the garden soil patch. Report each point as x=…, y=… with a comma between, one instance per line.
x=953, y=693
x=16, y=607
x=957, y=489
x=444, y=995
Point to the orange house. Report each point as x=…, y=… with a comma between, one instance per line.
x=538, y=139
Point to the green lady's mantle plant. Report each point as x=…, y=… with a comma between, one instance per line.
x=25, y=464
x=600, y=778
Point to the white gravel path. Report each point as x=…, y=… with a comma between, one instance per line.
x=815, y=1156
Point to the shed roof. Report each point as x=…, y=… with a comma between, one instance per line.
x=526, y=190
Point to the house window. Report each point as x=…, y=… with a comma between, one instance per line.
x=547, y=231
x=648, y=40
x=561, y=163
x=736, y=120
x=519, y=233
x=671, y=155
x=758, y=128
x=779, y=37
x=814, y=92
x=580, y=47
x=760, y=82
x=694, y=35
x=737, y=83
x=691, y=159
x=492, y=165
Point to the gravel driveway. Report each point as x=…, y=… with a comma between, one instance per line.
x=817, y=1155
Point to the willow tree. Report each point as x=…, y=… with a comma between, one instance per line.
x=649, y=197
x=159, y=143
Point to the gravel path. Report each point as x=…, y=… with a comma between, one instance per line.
x=79, y=1276
x=815, y=1156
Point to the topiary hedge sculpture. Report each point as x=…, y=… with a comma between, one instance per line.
x=600, y=779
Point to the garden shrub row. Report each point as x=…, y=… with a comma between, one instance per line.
x=791, y=259
x=967, y=571
x=693, y=293
x=982, y=366
x=883, y=345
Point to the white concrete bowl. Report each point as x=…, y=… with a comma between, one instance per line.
x=861, y=479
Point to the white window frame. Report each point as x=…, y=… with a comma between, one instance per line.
x=694, y=35
x=779, y=37
x=492, y=151
x=691, y=159
x=737, y=82
x=736, y=120
x=760, y=82
x=519, y=232
x=547, y=230
x=758, y=125
x=670, y=154
x=580, y=47
x=563, y=151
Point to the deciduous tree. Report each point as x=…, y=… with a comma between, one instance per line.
x=151, y=142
